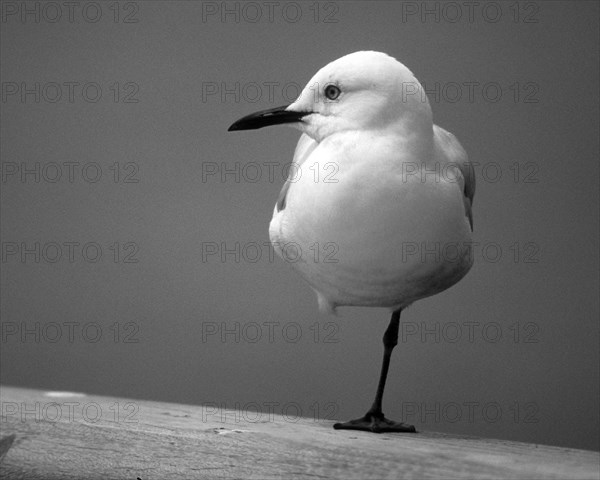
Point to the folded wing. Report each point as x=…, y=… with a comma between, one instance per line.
x=452, y=153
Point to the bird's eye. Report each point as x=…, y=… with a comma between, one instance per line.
x=332, y=92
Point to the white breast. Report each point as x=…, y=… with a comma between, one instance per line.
x=372, y=233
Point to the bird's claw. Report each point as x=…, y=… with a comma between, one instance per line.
x=376, y=424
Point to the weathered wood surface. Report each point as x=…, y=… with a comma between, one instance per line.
x=65, y=436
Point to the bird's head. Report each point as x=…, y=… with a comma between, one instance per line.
x=360, y=91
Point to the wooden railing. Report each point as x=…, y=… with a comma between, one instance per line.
x=61, y=435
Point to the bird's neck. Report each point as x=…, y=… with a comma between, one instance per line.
x=413, y=134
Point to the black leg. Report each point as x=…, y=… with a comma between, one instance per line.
x=374, y=420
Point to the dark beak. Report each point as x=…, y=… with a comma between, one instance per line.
x=265, y=118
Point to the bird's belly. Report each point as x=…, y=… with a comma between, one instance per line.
x=386, y=246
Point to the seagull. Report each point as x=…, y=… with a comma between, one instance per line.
x=392, y=203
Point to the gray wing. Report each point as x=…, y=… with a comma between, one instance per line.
x=304, y=148
x=452, y=152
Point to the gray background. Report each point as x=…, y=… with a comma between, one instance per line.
x=138, y=318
